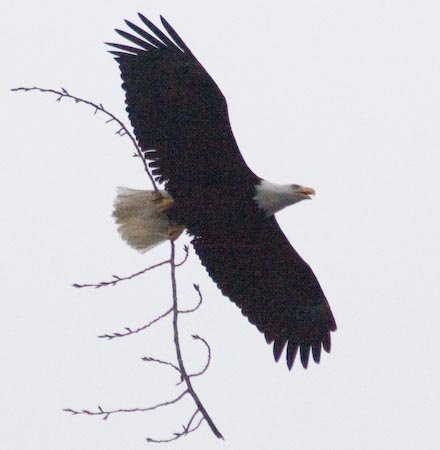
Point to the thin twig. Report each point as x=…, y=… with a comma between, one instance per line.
x=160, y=361
x=185, y=258
x=208, y=361
x=128, y=331
x=117, y=279
x=107, y=413
x=192, y=418
x=185, y=376
x=186, y=430
x=122, y=131
x=186, y=311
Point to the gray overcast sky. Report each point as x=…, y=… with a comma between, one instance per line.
x=343, y=96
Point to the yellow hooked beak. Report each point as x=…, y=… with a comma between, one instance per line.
x=305, y=192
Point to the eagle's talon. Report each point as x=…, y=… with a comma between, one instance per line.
x=174, y=231
x=164, y=204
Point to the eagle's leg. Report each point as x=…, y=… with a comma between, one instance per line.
x=164, y=205
x=174, y=231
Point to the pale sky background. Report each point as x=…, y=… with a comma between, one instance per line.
x=341, y=95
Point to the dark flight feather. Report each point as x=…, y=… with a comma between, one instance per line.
x=316, y=352
x=174, y=35
x=292, y=350
x=126, y=48
x=147, y=36
x=156, y=30
x=142, y=43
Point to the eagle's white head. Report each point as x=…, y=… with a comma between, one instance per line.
x=273, y=197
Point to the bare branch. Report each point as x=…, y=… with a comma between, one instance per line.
x=160, y=361
x=186, y=430
x=122, y=131
x=117, y=279
x=107, y=413
x=208, y=361
x=185, y=258
x=180, y=368
x=128, y=331
x=186, y=311
x=190, y=426
x=185, y=376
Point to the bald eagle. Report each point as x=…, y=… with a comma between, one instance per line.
x=180, y=119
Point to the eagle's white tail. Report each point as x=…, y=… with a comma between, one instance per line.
x=140, y=223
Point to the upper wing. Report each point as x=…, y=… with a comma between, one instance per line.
x=178, y=113
x=275, y=289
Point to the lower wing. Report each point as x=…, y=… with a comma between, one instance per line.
x=257, y=268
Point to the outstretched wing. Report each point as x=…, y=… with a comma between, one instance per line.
x=257, y=268
x=181, y=122
x=178, y=113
